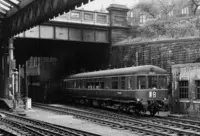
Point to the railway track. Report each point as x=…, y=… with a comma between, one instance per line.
x=6, y=131
x=23, y=126
x=140, y=126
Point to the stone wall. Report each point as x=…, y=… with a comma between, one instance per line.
x=118, y=34
x=191, y=104
x=160, y=53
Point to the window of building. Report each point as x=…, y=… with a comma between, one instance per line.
x=142, y=18
x=198, y=89
x=114, y=82
x=183, y=89
x=185, y=11
x=75, y=15
x=141, y=82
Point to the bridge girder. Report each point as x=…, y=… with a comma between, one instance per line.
x=35, y=13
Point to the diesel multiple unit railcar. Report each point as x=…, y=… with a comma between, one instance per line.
x=138, y=89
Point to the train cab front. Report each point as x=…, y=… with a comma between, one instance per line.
x=153, y=89
x=157, y=101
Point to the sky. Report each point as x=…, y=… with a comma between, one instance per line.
x=97, y=4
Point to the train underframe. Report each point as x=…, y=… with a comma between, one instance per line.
x=138, y=107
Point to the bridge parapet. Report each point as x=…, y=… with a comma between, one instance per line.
x=84, y=17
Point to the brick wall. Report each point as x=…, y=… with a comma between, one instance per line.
x=160, y=53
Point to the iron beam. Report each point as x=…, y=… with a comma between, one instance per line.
x=37, y=12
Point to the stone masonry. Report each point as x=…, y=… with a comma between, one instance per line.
x=160, y=53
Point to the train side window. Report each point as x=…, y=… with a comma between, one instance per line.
x=152, y=82
x=123, y=85
x=114, y=82
x=97, y=85
x=78, y=84
x=198, y=89
x=129, y=81
x=107, y=82
x=101, y=83
x=74, y=83
x=141, y=82
x=70, y=82
x=183, y=89
x=67, y=84
x=162, y=82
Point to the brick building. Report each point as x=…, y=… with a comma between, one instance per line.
x=166, y=8
x=42, y=83
x=186, y=89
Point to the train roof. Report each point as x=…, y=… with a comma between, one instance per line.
x=145, y=69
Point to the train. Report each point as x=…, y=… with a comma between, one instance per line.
x=138, y=89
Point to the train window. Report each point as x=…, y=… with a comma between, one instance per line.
x=152, y=82
x=67, y=84
x=129, y=81
x=97, y=85
x=114, y=82
x=102, y=85
x=162, y=82
x=198, y=89
x=78, y=83
x=84, y=83
x=123, y=82
x=183, y=89
x=107, y=83
x=141, y=82
x=74, y=84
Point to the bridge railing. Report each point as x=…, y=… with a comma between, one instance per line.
x=84, y=17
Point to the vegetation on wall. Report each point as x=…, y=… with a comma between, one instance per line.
x=164, y=27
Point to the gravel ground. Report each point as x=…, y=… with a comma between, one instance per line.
x=70, y=121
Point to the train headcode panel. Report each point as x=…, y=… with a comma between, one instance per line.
x=139, y=89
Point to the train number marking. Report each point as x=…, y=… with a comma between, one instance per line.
x=152, y=94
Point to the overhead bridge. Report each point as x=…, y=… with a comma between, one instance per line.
x=84, y=26
x=76, y=25
x=29, y=13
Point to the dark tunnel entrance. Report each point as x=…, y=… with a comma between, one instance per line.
x=73, y=57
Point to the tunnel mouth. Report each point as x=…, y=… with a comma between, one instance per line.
x=72, y=56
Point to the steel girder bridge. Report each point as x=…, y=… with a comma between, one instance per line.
x=19, y=15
